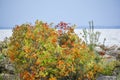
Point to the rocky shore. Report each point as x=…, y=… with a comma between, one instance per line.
x=110, y=53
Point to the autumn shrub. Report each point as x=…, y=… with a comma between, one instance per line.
x=40, y=52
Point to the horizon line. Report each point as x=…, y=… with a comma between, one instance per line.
x=96, y=27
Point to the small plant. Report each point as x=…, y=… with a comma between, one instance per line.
x=109, y=68
x=91, y=38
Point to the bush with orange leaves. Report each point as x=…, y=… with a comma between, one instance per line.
x=41, y=52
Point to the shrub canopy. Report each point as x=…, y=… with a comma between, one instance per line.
x=42, y=52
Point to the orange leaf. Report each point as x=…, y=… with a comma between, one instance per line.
x=37, y=62
x=60, y=62
x=52, y=78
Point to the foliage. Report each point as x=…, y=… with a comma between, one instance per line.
x=42, y=52
x=1, y=77
x=1, y=57
x=108, y=67
x=3, y=48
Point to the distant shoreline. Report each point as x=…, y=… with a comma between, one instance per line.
x=81, y=27
x=100, y=27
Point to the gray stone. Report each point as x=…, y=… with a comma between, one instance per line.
x=118, y=48
x=9, y=77
x=10, y=68
x=98, y=49
x=112, y=47
x=107, y=78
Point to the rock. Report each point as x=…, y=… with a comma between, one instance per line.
x=10, y=68
x=112, y=47
x=118, y=48
x=6, y=66
x=118, y=57
x=112, y=51
x=8, y=77
x=107, y=78
x=116, y=71
x=2, y=69
x=107, y=56
x=98, y=49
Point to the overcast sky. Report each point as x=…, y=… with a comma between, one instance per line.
x=102, y=12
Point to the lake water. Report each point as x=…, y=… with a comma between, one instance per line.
x=112, y=35
x=5, y=33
